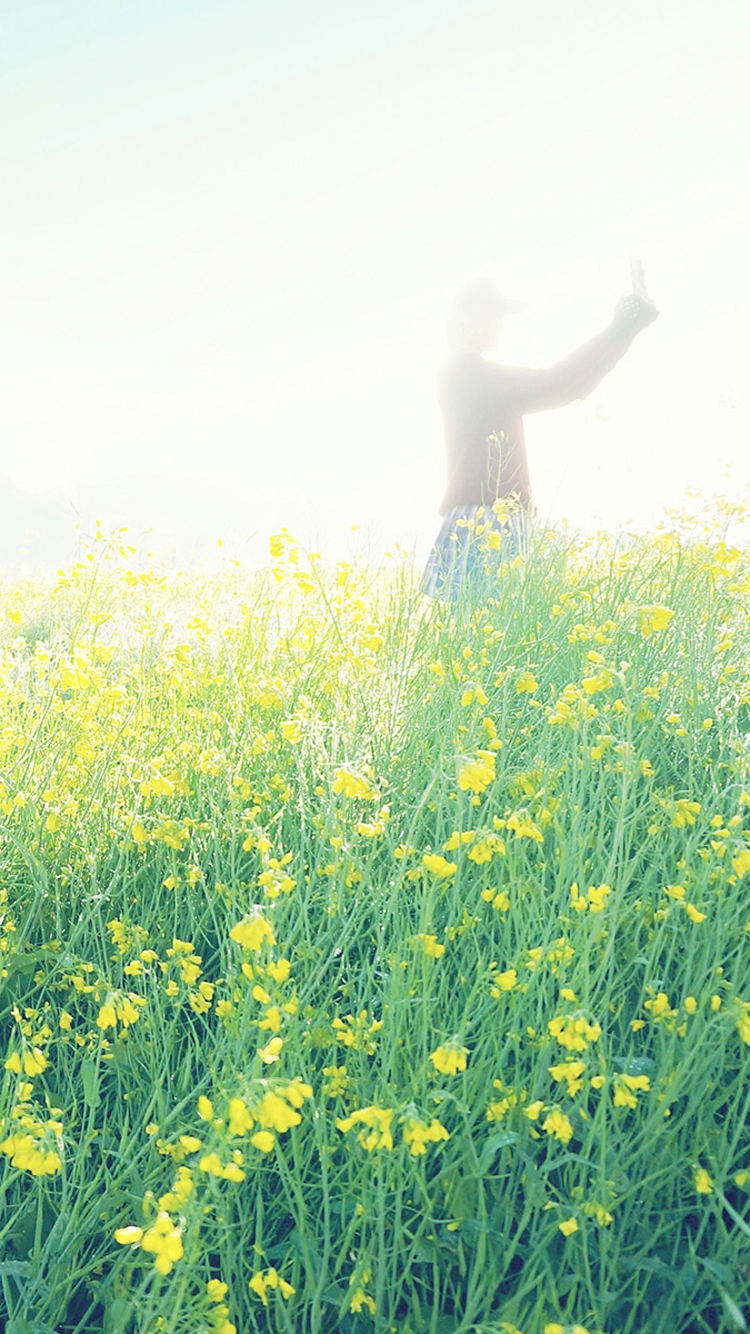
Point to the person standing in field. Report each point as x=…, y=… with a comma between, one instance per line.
x=487, y=501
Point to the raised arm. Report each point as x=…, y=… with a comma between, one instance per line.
x=579, y=373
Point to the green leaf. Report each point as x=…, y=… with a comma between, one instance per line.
x=732, y=1309
x=117, y=1316
x=15, y=1268
x=90, y=1076
x=493, y=1145
x=724, y=1273
x=18, y=1324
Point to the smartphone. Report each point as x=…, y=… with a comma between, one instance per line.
x=638, y=277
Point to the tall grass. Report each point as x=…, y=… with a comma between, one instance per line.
x=374, y=965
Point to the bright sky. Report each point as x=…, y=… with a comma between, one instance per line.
x=229, y=231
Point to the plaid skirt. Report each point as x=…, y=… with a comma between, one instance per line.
x=471, y=545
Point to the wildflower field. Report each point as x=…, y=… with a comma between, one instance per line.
x=372, y=966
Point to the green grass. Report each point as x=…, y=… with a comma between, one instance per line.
x=557, y=1010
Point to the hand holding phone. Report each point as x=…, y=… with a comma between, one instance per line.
x=638, y=278
x=639, y=308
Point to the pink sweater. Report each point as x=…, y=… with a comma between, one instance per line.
x=483, y=405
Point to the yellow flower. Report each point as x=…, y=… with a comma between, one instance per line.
x=240, y=1119
x=526, y=683
x=431, y=946
x=191, y=1143
x=503, y=981
x=568, y=1227
x=450, y=1058
x=34, y=1062
x=353, y=785
x=274, y=1113
x=625, y=1086
x=165, y=1242
x=601, y=681
x=212, y=1164
x=741, y=863
x=743, y=1018
x=251, y=932
x=685, y=812
x=557, y=1124
x=376, y=1121
x=128, y=1236
x=260, y=1283
x=359, y=1298
x=703, y=1183
x=29, y=1155
x=653, y=618
x=438, y=866
x=337, y=1080
x=263, y=1140
x=476, y=775
x=280, y=971
x=570, y=1072
x=270, y=1052
x=574, y=1031
x=524, y=827
x=233, y=1172
x=471, y=693
x=417, y=1134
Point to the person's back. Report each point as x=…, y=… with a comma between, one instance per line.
x=483, y=405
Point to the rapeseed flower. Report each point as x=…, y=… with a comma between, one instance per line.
x=164, y=1241
x=271, y=1051
x=526, y=683
x=571, y=1072
x=267, y=1281
x=505, y=981
x=741, y=863
x=625, y=1087
x=30, y=1154
x=29, y=1063
x=557, y=1124
x=574, y=1031
x=263, y=1140
x=431, y=946
x=353, y=785
x=523, y=826
x=360, y=1298
x=653, y=618
x=241, y=1118
x=417, y=1134
x=477, y=774
x=252, y=931
x=450, y=1058
x=702, y=1181
x=274, y=1113
x=377, y=1133
x=128, y=1236
x=473, y=694
x=337, y=1080
x=438, y=866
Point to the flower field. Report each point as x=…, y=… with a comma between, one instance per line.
x=371, y=966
